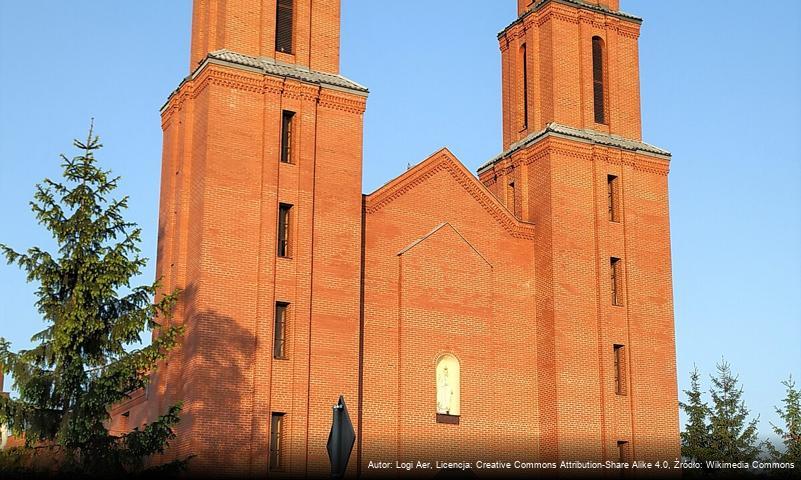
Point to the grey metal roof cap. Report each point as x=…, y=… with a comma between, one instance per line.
x=272, y=67
x=582, y=135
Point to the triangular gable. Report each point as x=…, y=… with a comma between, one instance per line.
x=445, y=160
x=437, y=229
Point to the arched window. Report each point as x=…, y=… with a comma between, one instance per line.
x=598, y=79
x=448, y=385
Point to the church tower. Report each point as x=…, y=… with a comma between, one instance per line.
x=260, y=227
x=526, y=314
x=574, y=164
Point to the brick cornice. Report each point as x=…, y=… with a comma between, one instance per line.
x=340, y=101
x=503, y=43
x=234, y=80
x=445, y=161
x=176, y=102
x=528, y=22
x=263, y=84
x=578, y=150
x=567, y=10
x=628, y=30
x=299, y=91
x=555, y=15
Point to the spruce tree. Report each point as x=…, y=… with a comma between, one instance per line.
x=733, y=438
x=695, y=439
x=790, y=434
x=82, y=363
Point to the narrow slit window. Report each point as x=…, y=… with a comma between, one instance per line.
x=286, y=136
x=283, y=26
x=620, y=369
x=276, y=442
x=512, y=202
x=279, y=335
x=622, y=451
x=613, y=197
x=524, y=66
x=616, y=281
x=284, y=230
x=598, y=74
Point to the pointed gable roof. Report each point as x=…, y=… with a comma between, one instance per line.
x=444, y=160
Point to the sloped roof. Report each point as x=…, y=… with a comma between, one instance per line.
x=444, y=160
x=271, y=67
x=582, y=135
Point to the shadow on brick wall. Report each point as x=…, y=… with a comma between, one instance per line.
x=214, y=382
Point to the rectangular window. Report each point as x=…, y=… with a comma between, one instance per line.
x=613, y=195
x=279, y=335
x=286, y=136
x=622, y=451
x=616, y=281
x=284, y=230
x=620, y=369
x=524, y=63
x=598, y=94
x=123, y=421
x=283, y=26
x=512, y=201
x=276, y=442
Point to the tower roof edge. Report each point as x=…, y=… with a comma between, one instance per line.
x=538, y=5
x=581, y=135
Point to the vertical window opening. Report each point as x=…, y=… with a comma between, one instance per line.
x=279, y=335
x=276, y=441
x=286, y=136
x=613, y=194
x=616, y=281
x=598, y=71
x=620, y=369
x=524, y=64
x=448, y=378
x=123, y=421
x=283, y=26
x=284, y=230
x=512, y=202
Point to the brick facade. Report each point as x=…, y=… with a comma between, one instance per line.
x=507, y=272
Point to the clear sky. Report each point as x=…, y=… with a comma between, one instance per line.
x=721, y=89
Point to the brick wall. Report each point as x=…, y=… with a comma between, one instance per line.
x=575, y=239
x=447, y=271
x=558, y=41
x=221, y=188
x=248, y=27
x=513, y=282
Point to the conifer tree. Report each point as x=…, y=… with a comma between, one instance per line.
x=695, y=439
x=81, y=364
x=790, y=434
x=733, y=438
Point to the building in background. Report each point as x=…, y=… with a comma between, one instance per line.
x=7, y=440
x=523, y=314
x=3, y=429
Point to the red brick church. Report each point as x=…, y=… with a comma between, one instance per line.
x=523, y=313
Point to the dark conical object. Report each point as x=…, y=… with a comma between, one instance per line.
x=340, y=440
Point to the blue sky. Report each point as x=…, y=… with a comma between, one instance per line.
x=721, y=89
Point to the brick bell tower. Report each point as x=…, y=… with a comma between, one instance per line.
x=575, y=165
x=260, y=226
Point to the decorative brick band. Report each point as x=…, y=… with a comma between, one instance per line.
x=580, y=151
x=262, y=84
x=444, y=161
